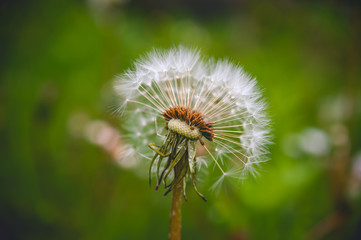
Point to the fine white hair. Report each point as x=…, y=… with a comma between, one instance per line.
x=221, y=91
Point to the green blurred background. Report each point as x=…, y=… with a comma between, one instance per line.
x=60, y=174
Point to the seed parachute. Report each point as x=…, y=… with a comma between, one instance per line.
x=196, y=104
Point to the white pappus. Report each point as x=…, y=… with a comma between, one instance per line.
x=176, y=98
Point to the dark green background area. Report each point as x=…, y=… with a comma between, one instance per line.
x=58, y=59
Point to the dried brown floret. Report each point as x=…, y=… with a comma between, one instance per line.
x=192, y=117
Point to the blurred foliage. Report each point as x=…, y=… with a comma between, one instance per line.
x=57, y=62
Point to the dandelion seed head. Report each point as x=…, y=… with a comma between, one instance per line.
x=213, y=103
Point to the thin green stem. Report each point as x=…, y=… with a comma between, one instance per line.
x=176, y=211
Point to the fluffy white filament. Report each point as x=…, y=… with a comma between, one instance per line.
x=221, y=91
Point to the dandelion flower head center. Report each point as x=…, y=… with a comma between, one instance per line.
x=188, y=123
x=183, y=129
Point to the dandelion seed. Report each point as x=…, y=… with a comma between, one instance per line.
x=188, y=103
